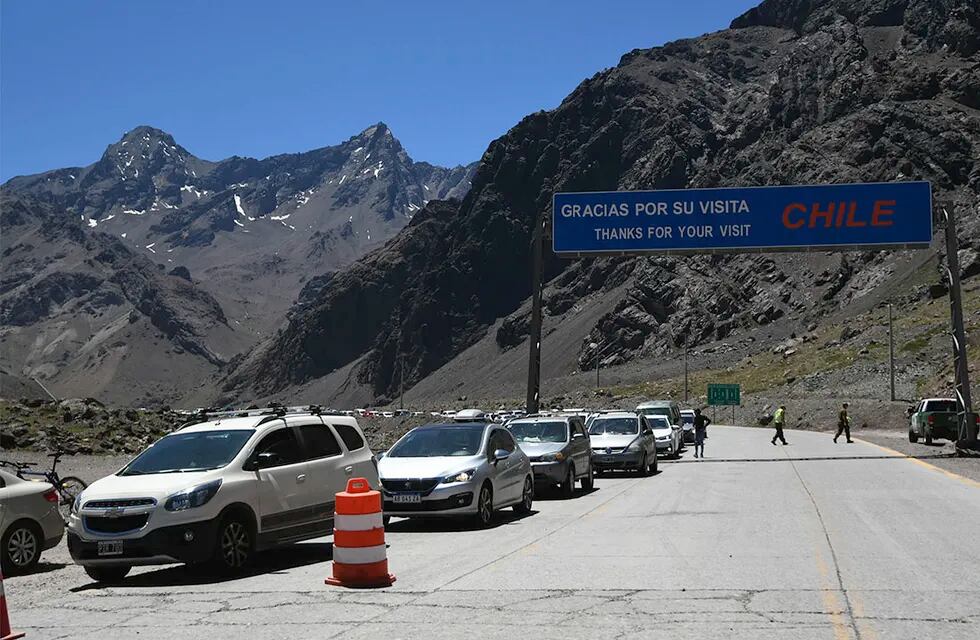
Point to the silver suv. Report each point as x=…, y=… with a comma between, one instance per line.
x=559, y=448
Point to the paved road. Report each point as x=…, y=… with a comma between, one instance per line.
x=814, y=540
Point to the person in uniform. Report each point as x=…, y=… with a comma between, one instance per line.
x=778, y=421
x=843, y=424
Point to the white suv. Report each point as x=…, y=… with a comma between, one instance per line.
x=219, y=490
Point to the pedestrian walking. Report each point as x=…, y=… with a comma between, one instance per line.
x=778, y=421
x=701, y=423
x=843, y=424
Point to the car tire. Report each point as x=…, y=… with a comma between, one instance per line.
x=913, y=436
x=234, y=544
x=21, y=549
x=653, y=467
x=928, y=438
x=568, y=487
x=108, y=575
x=588, y=481
x=484, y=505
x=644, y=469
x=527, y=498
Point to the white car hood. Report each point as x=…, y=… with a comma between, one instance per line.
x=662, y=432
x=158, y=485
x=611, y=440
x=434, y=467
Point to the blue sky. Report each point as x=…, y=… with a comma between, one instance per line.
x=260, y=78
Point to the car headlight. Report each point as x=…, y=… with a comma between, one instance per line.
x=462, y=476
x=192, y=498
x=557, y=456
x=633, y=446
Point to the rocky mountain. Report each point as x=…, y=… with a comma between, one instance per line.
x=796, y=91
x=235, y=241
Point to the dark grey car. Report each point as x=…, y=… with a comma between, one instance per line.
x=559, y=449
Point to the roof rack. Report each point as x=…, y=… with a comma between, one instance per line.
x=273, y=411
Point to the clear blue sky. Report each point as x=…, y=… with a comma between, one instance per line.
x=260, y=78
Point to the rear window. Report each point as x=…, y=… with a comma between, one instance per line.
x=350, y=436
x=944, y=406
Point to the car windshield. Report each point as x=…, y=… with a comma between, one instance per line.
x=431, y=442
x=615, y=426
x=657, y=422
x=196, y=451
x=539, y=431
x=942, y=406
x=688, y=418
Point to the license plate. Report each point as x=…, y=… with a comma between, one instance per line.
x=110, y=547
x=607, y=459
x=402, y=498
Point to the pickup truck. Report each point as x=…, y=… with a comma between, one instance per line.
x=933, y=418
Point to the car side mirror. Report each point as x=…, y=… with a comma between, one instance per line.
x=265, y=460
x=500, y=454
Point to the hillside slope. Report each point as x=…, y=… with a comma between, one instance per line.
x=794, y=92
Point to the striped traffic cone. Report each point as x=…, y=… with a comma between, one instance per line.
x=360, y=557
x=5, y=632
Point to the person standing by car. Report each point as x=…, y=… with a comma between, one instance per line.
x=701, y=423
x=843, y=424
x=778, y=421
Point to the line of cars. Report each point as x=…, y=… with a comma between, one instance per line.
x=224, y=486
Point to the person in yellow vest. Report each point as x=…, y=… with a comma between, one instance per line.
x=778, y=421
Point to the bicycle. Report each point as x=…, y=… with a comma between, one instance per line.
x=68, y=487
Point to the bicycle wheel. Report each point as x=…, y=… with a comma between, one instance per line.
x=69, y=489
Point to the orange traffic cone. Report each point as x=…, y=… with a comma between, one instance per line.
x=360, y=556
x=5, y=632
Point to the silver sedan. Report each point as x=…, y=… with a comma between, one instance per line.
x=456, y=469
x=29, y=522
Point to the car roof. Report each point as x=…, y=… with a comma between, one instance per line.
x=690, y=411
x=225, y=424
x=656, y=403
x=943, y=399
x=617, y=414
x=457, y=425
x=555, y=418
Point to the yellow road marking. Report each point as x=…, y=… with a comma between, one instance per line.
x=857, y=609
x=923, y=463
x=831, y=604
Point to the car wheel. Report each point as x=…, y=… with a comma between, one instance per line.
x=643, y=469
x=233, y=548
x=21, y=547
x=913, y=436
x=653, y=467
x=928, y=438
x=588, y=482
x=568, y=487
x=108, y=575
x=484, y=505
x=527, y=498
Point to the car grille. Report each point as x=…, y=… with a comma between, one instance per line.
x=422, y=485
x=608, y=449
x=102, y=524
x=119, y=504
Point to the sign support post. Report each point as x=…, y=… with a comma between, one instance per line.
x=967, y=419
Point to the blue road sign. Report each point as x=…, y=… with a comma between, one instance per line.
x=787, y=218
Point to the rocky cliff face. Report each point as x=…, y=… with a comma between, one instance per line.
x=240, y=240
x=797, y=91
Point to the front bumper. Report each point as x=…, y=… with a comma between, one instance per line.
x=457, y=499
x=665, y=445
x=603, y=461
x=160, y=546
x=550, y=472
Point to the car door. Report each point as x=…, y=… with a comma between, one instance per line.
x=502, y=471
x=649, y=439
x=916, y=418
x=581, y=449
x=281, y=470
x=360, y=459
x=327, y=468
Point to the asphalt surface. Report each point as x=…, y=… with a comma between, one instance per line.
x=813, y=540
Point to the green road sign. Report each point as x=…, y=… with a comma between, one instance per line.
x=724, y=395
